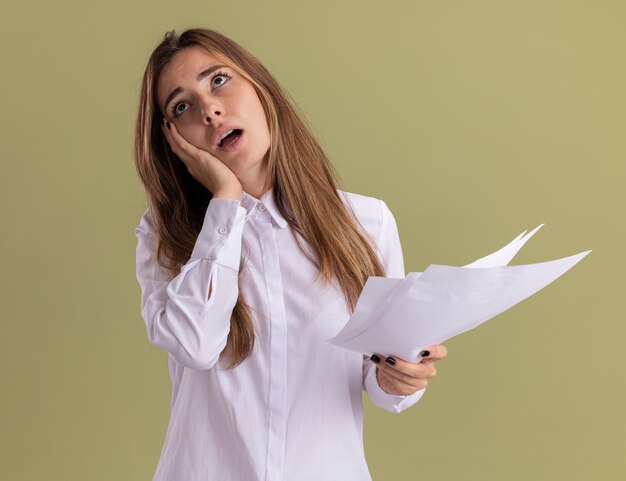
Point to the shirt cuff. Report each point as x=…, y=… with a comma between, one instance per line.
x=220, y=237
x=383, y=399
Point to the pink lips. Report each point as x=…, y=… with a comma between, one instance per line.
x=219, y=133
x=233, y=146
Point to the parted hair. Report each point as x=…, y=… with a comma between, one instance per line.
x=303, y=179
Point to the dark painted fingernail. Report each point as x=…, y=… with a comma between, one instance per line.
x=425, y=353
x=168, y=125
x=375, y=358
x=390, y=360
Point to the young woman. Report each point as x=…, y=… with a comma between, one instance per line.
x=249, y=257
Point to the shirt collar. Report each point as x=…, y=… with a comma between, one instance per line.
x=267, y=199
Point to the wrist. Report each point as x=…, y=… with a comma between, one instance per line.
x=228, y=195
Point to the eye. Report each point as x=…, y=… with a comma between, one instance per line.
x=220, y=74
x=175, y=110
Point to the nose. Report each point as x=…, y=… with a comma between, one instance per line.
x=210, y=111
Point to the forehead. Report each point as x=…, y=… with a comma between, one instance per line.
x=182, y=69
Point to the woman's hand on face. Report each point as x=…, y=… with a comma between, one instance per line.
x=404, y=378
x=207, y=169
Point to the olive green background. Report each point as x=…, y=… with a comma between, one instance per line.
x=473, y=120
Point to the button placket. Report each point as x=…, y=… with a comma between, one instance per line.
x=278, y=350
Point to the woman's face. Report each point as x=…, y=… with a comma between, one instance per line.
x=222, y=97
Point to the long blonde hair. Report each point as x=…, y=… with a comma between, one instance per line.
x=301, y=175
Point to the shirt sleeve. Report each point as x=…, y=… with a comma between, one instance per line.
x=179, y=315
x=393, y=262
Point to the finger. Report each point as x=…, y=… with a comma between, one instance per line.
x=428, y=361
x=188, y=152
x=407, y=371
x=184, y=150
x=186, y=146
x=177, y=140
x=436, y=352
x=415, y=382
x=404, y=387
x=170, y=139
x=165, y=128
x=410, y=369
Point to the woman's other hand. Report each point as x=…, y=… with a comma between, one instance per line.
x=402, y=378
x=207, y=169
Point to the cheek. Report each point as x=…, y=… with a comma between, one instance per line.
x=254, y=110
x=194, y=135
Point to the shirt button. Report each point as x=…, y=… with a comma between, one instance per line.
x=261, y=207
x=222, y=230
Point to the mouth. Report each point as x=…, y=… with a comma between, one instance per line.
x=231, y=141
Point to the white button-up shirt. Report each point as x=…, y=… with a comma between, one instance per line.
x=291, y=411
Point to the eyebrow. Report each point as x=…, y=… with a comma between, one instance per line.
x=200, y=76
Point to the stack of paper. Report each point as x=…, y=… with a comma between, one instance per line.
x=403, y=316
